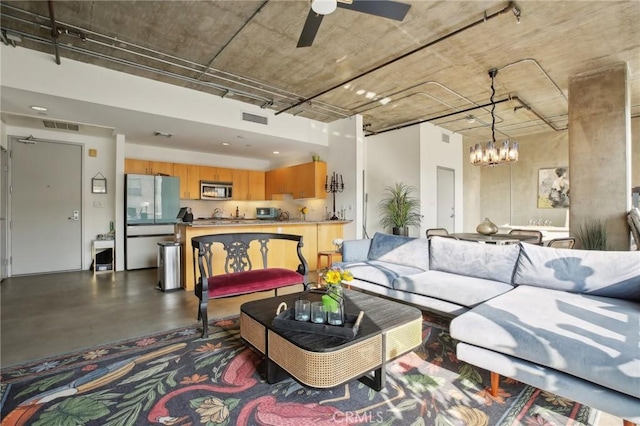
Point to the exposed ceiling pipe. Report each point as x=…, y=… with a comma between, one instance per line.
x=113, y=43
x=54, y=32
x=537, y=64
x=509, y=8
x=231, y=39
x=509, y=98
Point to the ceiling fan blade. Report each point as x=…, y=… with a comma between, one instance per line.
x=384, y=8
x=310, y=29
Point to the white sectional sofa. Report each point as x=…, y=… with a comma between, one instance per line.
x=565, y=321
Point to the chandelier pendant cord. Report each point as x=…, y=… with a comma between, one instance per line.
x=492, y=74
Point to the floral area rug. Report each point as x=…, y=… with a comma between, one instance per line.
x=177, y=378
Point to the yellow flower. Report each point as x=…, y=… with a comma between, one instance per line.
x=336, y=275
x=303, y=210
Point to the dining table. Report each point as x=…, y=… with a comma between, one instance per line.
x=494, y=238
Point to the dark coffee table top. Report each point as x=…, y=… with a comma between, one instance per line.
x=379, y=315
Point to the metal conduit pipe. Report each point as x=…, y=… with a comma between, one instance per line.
x=330, y=114
x=537, y=64
x=485, y=18
x=232, y=38
x=422, y=84
x=509, y=98
x=199, y=68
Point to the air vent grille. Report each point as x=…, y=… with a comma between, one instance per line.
x=60, y=125
x=445, y=138
x=254, y=118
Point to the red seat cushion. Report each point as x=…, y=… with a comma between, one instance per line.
x=245, y=282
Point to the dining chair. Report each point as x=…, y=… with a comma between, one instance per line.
x=528, y=233
x=567, y=243
x=437, y=231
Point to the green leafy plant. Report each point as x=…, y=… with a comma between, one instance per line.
x=592, y=235
x=399, y=208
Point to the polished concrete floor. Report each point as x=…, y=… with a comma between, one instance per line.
x=51, y=314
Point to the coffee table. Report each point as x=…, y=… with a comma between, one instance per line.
x=388, y=329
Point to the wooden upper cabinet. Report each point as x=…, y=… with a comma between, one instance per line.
x=161, y=167
x=216, y=174
x=189, y=180
x=256, y=185
x=248, y=185
x=301, y=181
x=146, y=167
x=309, y=179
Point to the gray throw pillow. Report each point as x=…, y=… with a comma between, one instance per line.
x=401, y=250
x=599, y=273
x=480, y=260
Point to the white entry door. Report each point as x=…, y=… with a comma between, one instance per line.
x=46, y=202
x=446, y=199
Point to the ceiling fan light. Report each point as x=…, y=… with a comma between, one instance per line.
x=324, y=7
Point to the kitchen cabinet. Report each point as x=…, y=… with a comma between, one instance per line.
x=189, y=175
x=275, y=183
x=308, y=180
x=248, y=185
x=216, y=174
x=146, y=167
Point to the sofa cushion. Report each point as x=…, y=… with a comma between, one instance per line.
x=591, y=337
x=406, y=251
x=381, y=273
x=489, y=261
x=458, y=289
x=600, y=273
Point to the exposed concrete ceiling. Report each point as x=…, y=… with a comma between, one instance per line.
x=247, y=50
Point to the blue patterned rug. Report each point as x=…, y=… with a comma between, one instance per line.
x=177, y=378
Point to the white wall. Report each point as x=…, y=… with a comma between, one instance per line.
x=346, y=157
x=390, y=157
x=95, y=219
x=412, y=156
x=36, y=72
x=433, y=154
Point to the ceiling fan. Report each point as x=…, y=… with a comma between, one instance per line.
x=384, y=8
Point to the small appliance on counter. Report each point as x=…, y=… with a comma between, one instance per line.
x=270, y=213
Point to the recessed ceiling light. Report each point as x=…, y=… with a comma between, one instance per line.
x=225, y=144
x=276, y=152
x=38, y=108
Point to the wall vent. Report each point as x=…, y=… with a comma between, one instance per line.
x=60, y=125
x=445, y=138
x=254, y=118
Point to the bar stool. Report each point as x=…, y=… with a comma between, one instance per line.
x=329, y=255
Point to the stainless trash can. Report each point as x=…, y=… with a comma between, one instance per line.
x=168, y=266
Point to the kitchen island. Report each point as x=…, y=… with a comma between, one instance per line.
x=317, y=236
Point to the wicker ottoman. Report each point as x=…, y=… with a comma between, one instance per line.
x=388, y=330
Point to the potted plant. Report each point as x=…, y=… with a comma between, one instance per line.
x=400, y=209
x=592, y=235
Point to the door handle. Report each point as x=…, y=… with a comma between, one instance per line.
x=76, y=215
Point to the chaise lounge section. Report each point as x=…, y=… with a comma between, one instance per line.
x=564, y=321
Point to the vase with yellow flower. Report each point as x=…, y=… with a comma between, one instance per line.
x=333, y=300
x=303, y=212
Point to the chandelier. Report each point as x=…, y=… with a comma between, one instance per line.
x=492, y=154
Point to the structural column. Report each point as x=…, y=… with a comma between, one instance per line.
x=600, y=152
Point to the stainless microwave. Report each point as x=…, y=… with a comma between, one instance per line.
x=216, y=190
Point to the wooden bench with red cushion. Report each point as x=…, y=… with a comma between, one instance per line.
x=239, y=276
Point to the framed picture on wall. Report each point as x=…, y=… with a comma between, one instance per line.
x=553, y=188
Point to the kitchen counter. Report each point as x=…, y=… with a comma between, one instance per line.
x=317, y=236
x=235, y=222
